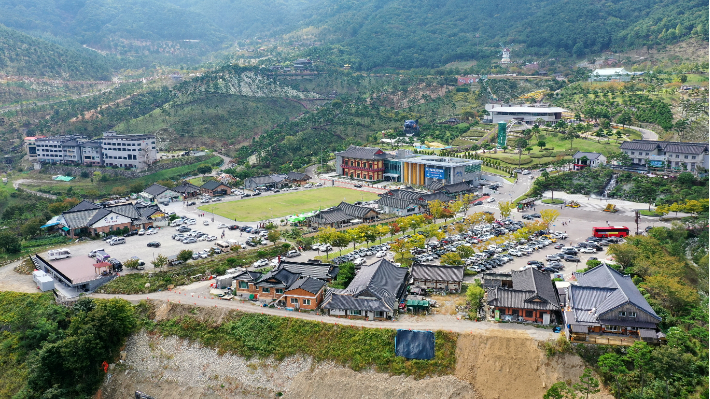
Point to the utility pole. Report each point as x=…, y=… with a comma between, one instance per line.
x=637, y=222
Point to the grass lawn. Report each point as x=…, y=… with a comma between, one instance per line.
x=645, y=212
x=280, y=205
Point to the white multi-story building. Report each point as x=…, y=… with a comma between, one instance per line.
x=667, y=154
x=135, y=151
x=128, y=150
x=523, y=113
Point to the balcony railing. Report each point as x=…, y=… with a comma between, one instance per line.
x=382, y=169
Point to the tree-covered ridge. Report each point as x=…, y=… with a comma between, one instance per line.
x=24, y=55
x=420, y=33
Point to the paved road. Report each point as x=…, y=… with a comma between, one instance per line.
x=198, y=294
x=16, y=185
x=646, y=134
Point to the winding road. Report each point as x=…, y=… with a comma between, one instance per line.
x=646, y=134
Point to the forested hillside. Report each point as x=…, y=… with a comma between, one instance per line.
x=425, y=34
x=24, y=55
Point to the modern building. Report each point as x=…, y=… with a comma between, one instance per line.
x=422, y=170
x=669, y=155
x=528, y=295
x=588, y=159
x=610, y=75
x=522, y=113
x=605, y=302
x=75, y=275
x=126, y=151
x=136, y=151
x=374, y=293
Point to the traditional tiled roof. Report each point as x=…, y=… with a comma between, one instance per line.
x=83, y=206
x=355, y=210
x=322, y=271
x=589, y=155
x=277, y=278
x=603, y=289
x=396, y=203
x=456, y=187
x=437, y=273
x=212, y=185
x=186, y=188
x=667, y=146
x=376, y=287
x=532, y=289
x=79, y=219
x=328, y=216
x=312, y=285
x=363, y=153
x=155, y=189
x=295, y=176
x=248, y=276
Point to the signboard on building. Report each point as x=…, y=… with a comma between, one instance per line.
x=473, y=168
x=434, y=173
x=655, y=164
x=502, y=134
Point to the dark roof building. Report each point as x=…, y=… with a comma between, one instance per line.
x=606, y=301
x=407, y=202
x=593, y=159
x=187, y=189
x=374, y=293
x=667, y=154
x=437, y=277
x=214, y=187
x=89, y=218
x=532, y=297
x=322, y=271
x=295, y=177
x=456, y=189
x=341, y=214
x=368, y=153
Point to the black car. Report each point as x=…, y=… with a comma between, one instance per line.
x=527, y=217
x=535, y=262
x=154, y=244
x=536, y=215
x=191, y=203
x=571, y=258
x=477, y=203
x=117, y=266
x=233, y=227
x=246, y=195
x=357, y=185
x=257, y=193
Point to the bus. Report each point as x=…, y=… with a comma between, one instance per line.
x=611, y=231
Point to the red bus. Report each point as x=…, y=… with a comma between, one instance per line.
x=612, y=231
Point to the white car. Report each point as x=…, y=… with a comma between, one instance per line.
x=222, y=226
x=190, y=222
x=515, y=252
x=587, y=251
x=206, y=222
x=491, y=199
x=212, y=238
x=261, y=263
x=381, y=254
x=359, y=261
x=141, y=232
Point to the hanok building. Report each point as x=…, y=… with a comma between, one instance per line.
x=667, y=154
x=528, y=296
x=343, y=214
x=408, y=202
x=588, y=159
x=374, y=293
x=362, y=163
x=434, y=277
x=297, y=178
x=158, y=194
x=87, y=218
x=605, y=302
x=458, y=189
x=187, y=190
x=215, y=188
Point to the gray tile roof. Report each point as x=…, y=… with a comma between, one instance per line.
x=380, y=284
x=396, y=203
x=363, y=153
x=532, y=289
x=328, y=216
x=603, y=289
x=277, y=278
x=456, y=187
x=186, y=188
x=100, y=214
x=321, y=271
x=589, y=155
x=312, y=285
x=438, y=273
x=84, y=205
x=79, y=219
x=667, y=146
x=155, y=189
x=212, y=185
x=295, y=176
x=248, y=276
x=356, y=211
x=434, y=185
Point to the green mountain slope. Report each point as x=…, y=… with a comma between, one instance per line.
x=24, y=55
x=422, y=33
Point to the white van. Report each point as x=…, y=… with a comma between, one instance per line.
x=117, y=241
x=59, y=253
x=93, y=253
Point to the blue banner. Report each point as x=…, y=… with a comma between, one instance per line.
x=434, y=173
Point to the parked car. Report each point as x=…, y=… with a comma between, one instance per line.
x=154, y=244
x=359, y=261
x=222, y=226
x=477, y=203
x=571, y=258
x=233, y=227
x=292, y=253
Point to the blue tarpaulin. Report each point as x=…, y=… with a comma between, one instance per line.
x=414, y=344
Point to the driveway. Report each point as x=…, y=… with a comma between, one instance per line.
x=645, y=133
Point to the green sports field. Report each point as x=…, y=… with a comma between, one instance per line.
x=285, y=204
